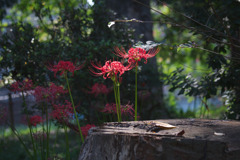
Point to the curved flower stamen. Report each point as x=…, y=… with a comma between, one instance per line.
x=110, y=70
x=135, y=55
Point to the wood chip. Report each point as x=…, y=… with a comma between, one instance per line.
x=163, y=125
x=219, y=134
x=180, y=133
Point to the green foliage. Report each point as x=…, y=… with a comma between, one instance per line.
x=45, y=32
x=11, y=148
x=210, y=29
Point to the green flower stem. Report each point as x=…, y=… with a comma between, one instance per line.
x=43, y=131
x=55, y=142
x=48, y=131
x=75, y=113
x=67, y=143
x=21, y=141
x=33, y=143
x=24, y=102
x=41, y=147
x=136, y=92
x=116, y=100
x=29, y=126
x=119, y=103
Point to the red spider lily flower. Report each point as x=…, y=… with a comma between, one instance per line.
x=125, y=109
x=49, y=94
x=62, y=112
x=135, y=55
x=128, y=110
x=99, y=89
x=110, y=69
x=23, y=86
x=63, y=67
x=109, y=108
x=86, y=128
x=34, y=120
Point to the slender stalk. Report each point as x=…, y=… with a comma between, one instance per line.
x=21, y=141
x=48, y=131
x=43, y=131
x=29, y=126
x=116, y=100
x=136, y=92
x=41, y=146
x=119, y=103
x=75, y=113
x=55, y=142
x=24, y=101
x=36, y=144
x=67, y=143
x=33, y=143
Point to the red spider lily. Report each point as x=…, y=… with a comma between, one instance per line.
x=63, y=67
x=49, y=94
x=62, y=112
x=125, y=109
x=34, y=120
x=99, y=89
x=135, y=55
x=110, y=69
x=23, y=86
x=86, y=128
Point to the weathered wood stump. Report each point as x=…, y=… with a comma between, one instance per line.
x=192, y=139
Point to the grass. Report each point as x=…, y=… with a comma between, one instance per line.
x=12, y=149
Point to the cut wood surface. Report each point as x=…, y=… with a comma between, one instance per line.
x=183, y=139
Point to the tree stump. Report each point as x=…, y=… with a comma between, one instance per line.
x=192, y=139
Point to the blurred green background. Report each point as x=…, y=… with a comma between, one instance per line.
x=196, y=74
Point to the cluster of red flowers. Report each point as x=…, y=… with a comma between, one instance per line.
x=97, y=89
x=23, y=86
x=34, y=120
x=62, y=112
x=86, y=128
x=125, y=109
x=49, y=94
x=63, y=67
x=110, y=69
x=135, y=55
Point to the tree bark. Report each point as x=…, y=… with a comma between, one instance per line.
x=199, y=139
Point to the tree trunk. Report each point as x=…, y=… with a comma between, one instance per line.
x=192, y=139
